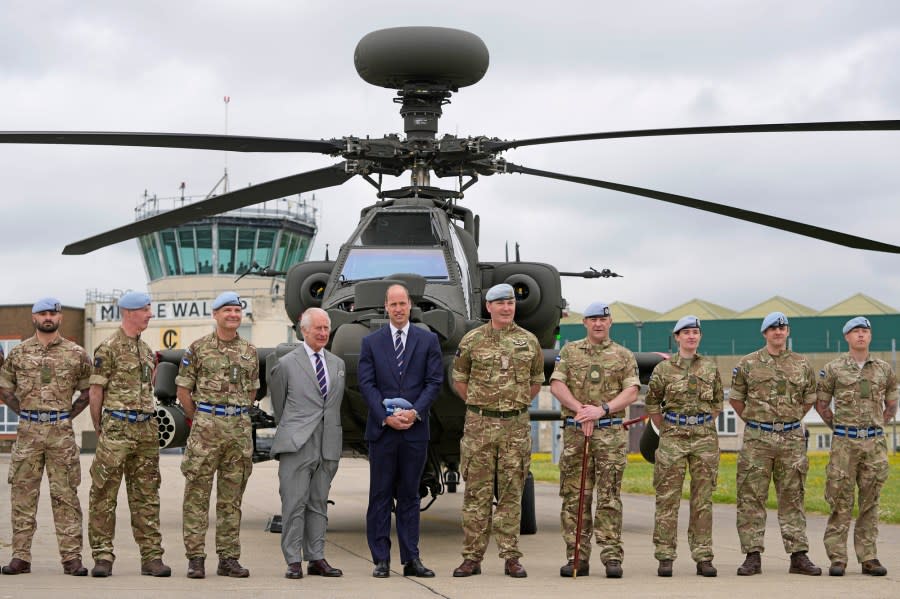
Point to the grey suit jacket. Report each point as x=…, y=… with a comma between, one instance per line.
x=299, y=406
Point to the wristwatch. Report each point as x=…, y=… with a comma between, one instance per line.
x=605, y=407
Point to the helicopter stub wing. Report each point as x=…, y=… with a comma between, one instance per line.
x=311, y=180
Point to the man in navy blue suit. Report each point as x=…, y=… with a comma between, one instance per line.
x=400, y=363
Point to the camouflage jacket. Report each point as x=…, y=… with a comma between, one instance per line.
x=499, y=366
x=123, y=366
x=773, y=388
x=46, y=378
x=595, y=373
x=675, y=387
x=859, y=393
x=220, y=372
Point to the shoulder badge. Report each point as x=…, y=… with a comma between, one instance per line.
x=98, y=362
x=558, y=357
x=822, y=373
x=458, y=352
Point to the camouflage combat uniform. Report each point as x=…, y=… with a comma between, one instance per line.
x=859, y=397
x=685, y=388
x=44, y=380
x=123, y=366
x=499, y=366
x=595, y=374
x=776, y=391
x=226, y=374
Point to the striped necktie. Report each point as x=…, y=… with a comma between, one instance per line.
x=320, y=375
x=398, y=350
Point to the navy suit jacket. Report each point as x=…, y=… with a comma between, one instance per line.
x=379, y=378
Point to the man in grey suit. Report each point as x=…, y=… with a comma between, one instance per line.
x=306, y=387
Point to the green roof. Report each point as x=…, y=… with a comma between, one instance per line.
x=858, y=305
x=702, y=309
x=777, y=304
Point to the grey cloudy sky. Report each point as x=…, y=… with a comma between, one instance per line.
x=556, y=67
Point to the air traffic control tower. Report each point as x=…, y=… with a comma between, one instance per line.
x=189, y=265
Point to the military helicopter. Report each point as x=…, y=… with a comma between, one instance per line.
x=419, y=234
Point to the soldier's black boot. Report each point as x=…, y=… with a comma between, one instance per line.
x=196, y=568
x=155, y=567
x=102, y=568
x=665, y=568
x=873, y=567
x=584, y=568
x=17, y=566
x=74, y=567
x=706, y=569
x=801, y=564
x=837, y=569
x=613, y=569
x=229, y=566
x=752, y=565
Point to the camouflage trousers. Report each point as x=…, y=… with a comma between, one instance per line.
x=129, y=449
x=605, y=466
x=220, y=446
x=861, y=463
x=501, y=448
x=695, y=448
x=40, y=445
x=778, y=457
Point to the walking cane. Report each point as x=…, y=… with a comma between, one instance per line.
x=584, y=458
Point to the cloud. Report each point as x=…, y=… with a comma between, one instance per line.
x=566, y=68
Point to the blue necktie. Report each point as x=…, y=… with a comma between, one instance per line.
x=320, y=375
x=398, y=350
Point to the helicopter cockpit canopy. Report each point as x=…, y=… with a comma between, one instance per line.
x=376, y=263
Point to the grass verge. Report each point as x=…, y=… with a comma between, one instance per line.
x=639, y=479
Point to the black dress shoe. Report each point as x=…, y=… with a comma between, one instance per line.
x=320, y=567
x=294, y=571
x=382, y=569
x=416, y=568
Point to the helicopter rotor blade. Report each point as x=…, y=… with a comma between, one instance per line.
x=308, y=181
x=196, y=141
x=767, y=220
x=500, y=145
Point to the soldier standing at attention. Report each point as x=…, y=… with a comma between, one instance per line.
x=684, y=400
x=865, y=399
x=37, y=382
x=498, y=369
x=217, y=384
x=595, y=380
x=771, y=390
x=124, y=416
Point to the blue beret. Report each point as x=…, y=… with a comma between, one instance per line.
x=775, y=319
x=134, y=300
x=856, y=323
x=227, y=298
x=687, y=322
x=596, y=309
x=503, y=291
x=46, y=304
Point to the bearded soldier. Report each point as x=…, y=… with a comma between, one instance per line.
x=37, y=382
